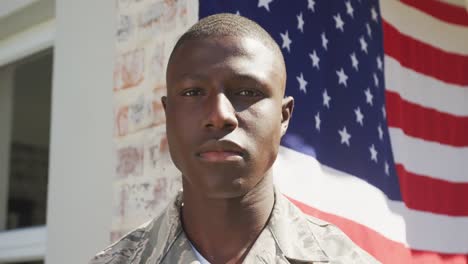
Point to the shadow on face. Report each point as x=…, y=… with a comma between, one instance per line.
x=225, y=113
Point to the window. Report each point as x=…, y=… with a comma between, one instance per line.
x=29, y=142
x=27, y=31
x=25, y=89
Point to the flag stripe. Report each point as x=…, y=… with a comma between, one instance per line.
x=425, y=58
x=457, y=3
x=432, y=195
x=431, y=159
x=303, y=178
x=440, y=10
x=359, y=185
x=425, y=90
x=426, y=123
x=424, y=28
x=382, y=248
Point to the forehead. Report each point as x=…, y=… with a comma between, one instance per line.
x=217, y=57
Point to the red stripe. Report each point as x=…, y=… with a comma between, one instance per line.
x=426, y=123
x=446, y=12
x=382, y=248
x=432, y=195
x=423, y=58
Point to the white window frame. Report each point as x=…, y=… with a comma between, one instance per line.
x=25, y=244
x=28, y=42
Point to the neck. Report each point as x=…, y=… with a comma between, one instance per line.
x=223, y=230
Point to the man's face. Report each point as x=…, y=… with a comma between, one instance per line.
x=225, y=113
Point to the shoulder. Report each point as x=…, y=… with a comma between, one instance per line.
x=307, y=238
x=125, y=249
x=335, y=243
x=148, y=241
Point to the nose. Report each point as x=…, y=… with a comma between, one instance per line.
x=220, y=112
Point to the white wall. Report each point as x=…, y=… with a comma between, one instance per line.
x=9, y=6
x=20, y=15
x=81, y=154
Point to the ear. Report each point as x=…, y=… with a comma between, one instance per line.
x=286, y=113
x=164, y=102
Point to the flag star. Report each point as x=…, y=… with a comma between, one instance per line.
x=315, y=59
x=345, y=136
x=376, y=80
x=342, y=77
x=363, y=44
x=373, y=152
x=369, y=96
x=326, y=99
x=379, y=63
x=387, y=168
x=300, y=22
x=374, y=14
x=286, y=41
x=311, y=5
x=317, y=121
x=265, y=4
x=302, y=83
x=354, y=61
x=384, y=112
x=359, y=116
x=379, y=129
x=369, y=30
x=339, y=24
x=324, y=41
x=349, y=9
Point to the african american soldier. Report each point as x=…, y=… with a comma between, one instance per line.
x=225, y=115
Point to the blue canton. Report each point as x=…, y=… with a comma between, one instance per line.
x=334, y=57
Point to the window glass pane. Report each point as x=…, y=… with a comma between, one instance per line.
x=29, y=142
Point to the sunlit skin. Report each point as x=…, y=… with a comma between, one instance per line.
x=225, y=115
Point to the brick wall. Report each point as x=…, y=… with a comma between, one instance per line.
x=145, y=179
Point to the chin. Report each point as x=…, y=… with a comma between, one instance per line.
x=222, y=181
x=219, y=188
x=226, y=189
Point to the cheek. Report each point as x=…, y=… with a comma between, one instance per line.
x=265, y=129
x=179, y=132
x=181, y=119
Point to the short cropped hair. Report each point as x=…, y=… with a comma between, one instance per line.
x=225, y=24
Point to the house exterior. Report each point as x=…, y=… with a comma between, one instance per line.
x=80, y=34
x=83, y=155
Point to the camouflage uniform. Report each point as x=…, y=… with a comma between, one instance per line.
x=289, y=237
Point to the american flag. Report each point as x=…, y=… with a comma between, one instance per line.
x=378, y=143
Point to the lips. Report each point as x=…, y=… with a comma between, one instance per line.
x=220, y=151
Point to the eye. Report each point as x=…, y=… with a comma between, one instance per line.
x=249, y=93
x=192, y=92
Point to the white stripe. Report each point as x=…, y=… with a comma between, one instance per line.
x=302, y=178
x=430, y=159
x=457, y=3
x=421, y=26
x=425, y=90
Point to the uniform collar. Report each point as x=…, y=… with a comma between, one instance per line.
x=288, y=226
x=291, y=230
